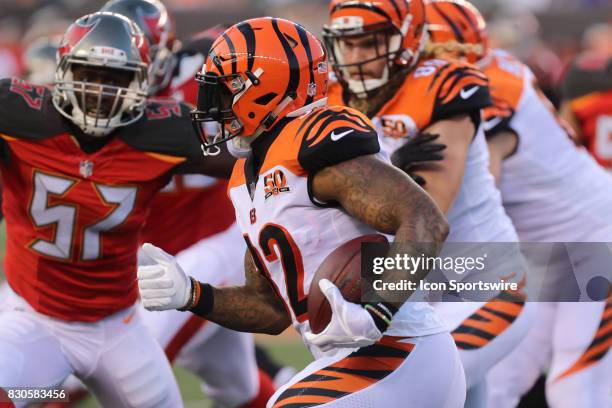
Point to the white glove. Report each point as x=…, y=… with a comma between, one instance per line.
x=351, y=326
x=163, y=285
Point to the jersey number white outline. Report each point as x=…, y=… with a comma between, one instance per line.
x=603, y=137
x=63, y=216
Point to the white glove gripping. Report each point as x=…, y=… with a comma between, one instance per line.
x=351, y=326
x=163, y=285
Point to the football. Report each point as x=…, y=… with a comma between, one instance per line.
x=343, y=268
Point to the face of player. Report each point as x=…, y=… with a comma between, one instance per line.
x=101, y=89
x=367, y=47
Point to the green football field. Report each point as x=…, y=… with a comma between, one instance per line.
x=286, y=349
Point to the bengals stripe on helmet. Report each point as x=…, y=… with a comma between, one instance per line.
x=357, y=371
x=450, y=22
x=306, y=44
x=294, y=68
x=599, y=346
x=365, y=6
x=232, y=50
x=215, y=60
x=473, y=24
x=249, y=37
x=397, y=9
x=488, y=322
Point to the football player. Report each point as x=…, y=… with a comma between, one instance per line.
x=587, y=105
x=542, y=177
x=376, y=55
x=80, y=164
x=308, y=180
x=192, y=216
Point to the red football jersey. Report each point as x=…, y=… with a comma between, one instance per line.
x=73, y=219
x=588, y=87
x=594, y=113
x=191, y=207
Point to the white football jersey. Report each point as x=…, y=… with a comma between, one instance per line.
x=288, y=232
x=552, y=190
x=438, y=89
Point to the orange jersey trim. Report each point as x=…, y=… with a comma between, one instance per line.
x=585, y=101
x=166, y=158
x=7, y=137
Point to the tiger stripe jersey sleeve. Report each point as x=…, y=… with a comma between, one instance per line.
x=334, y=135
x=460, y=89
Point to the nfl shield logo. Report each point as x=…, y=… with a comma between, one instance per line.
x=86, y=168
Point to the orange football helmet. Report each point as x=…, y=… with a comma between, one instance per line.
x=456, y=26
x=256, y=73
x=401, y=22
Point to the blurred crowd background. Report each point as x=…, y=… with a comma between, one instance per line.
x=546, y=34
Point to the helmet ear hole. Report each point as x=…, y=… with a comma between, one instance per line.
x=266, y=99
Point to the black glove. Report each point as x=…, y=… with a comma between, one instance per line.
x=419, y=149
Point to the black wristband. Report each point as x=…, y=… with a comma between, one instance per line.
x=382, y=313
x=205, y=302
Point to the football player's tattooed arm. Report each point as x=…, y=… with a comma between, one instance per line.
x=443, y=178
x=254, y=307
x=501, y=146
x=386, y=199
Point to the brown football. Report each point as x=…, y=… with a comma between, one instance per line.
x=343, y=268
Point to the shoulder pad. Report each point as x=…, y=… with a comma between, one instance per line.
x=165, y=128
x=26, y=111
x=460, y=88
x=332, y=135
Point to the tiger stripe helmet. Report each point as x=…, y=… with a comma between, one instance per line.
x=456, y=26
x=402, y=22
x=256, y=73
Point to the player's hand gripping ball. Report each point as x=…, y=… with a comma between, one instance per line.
x=334, y=312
